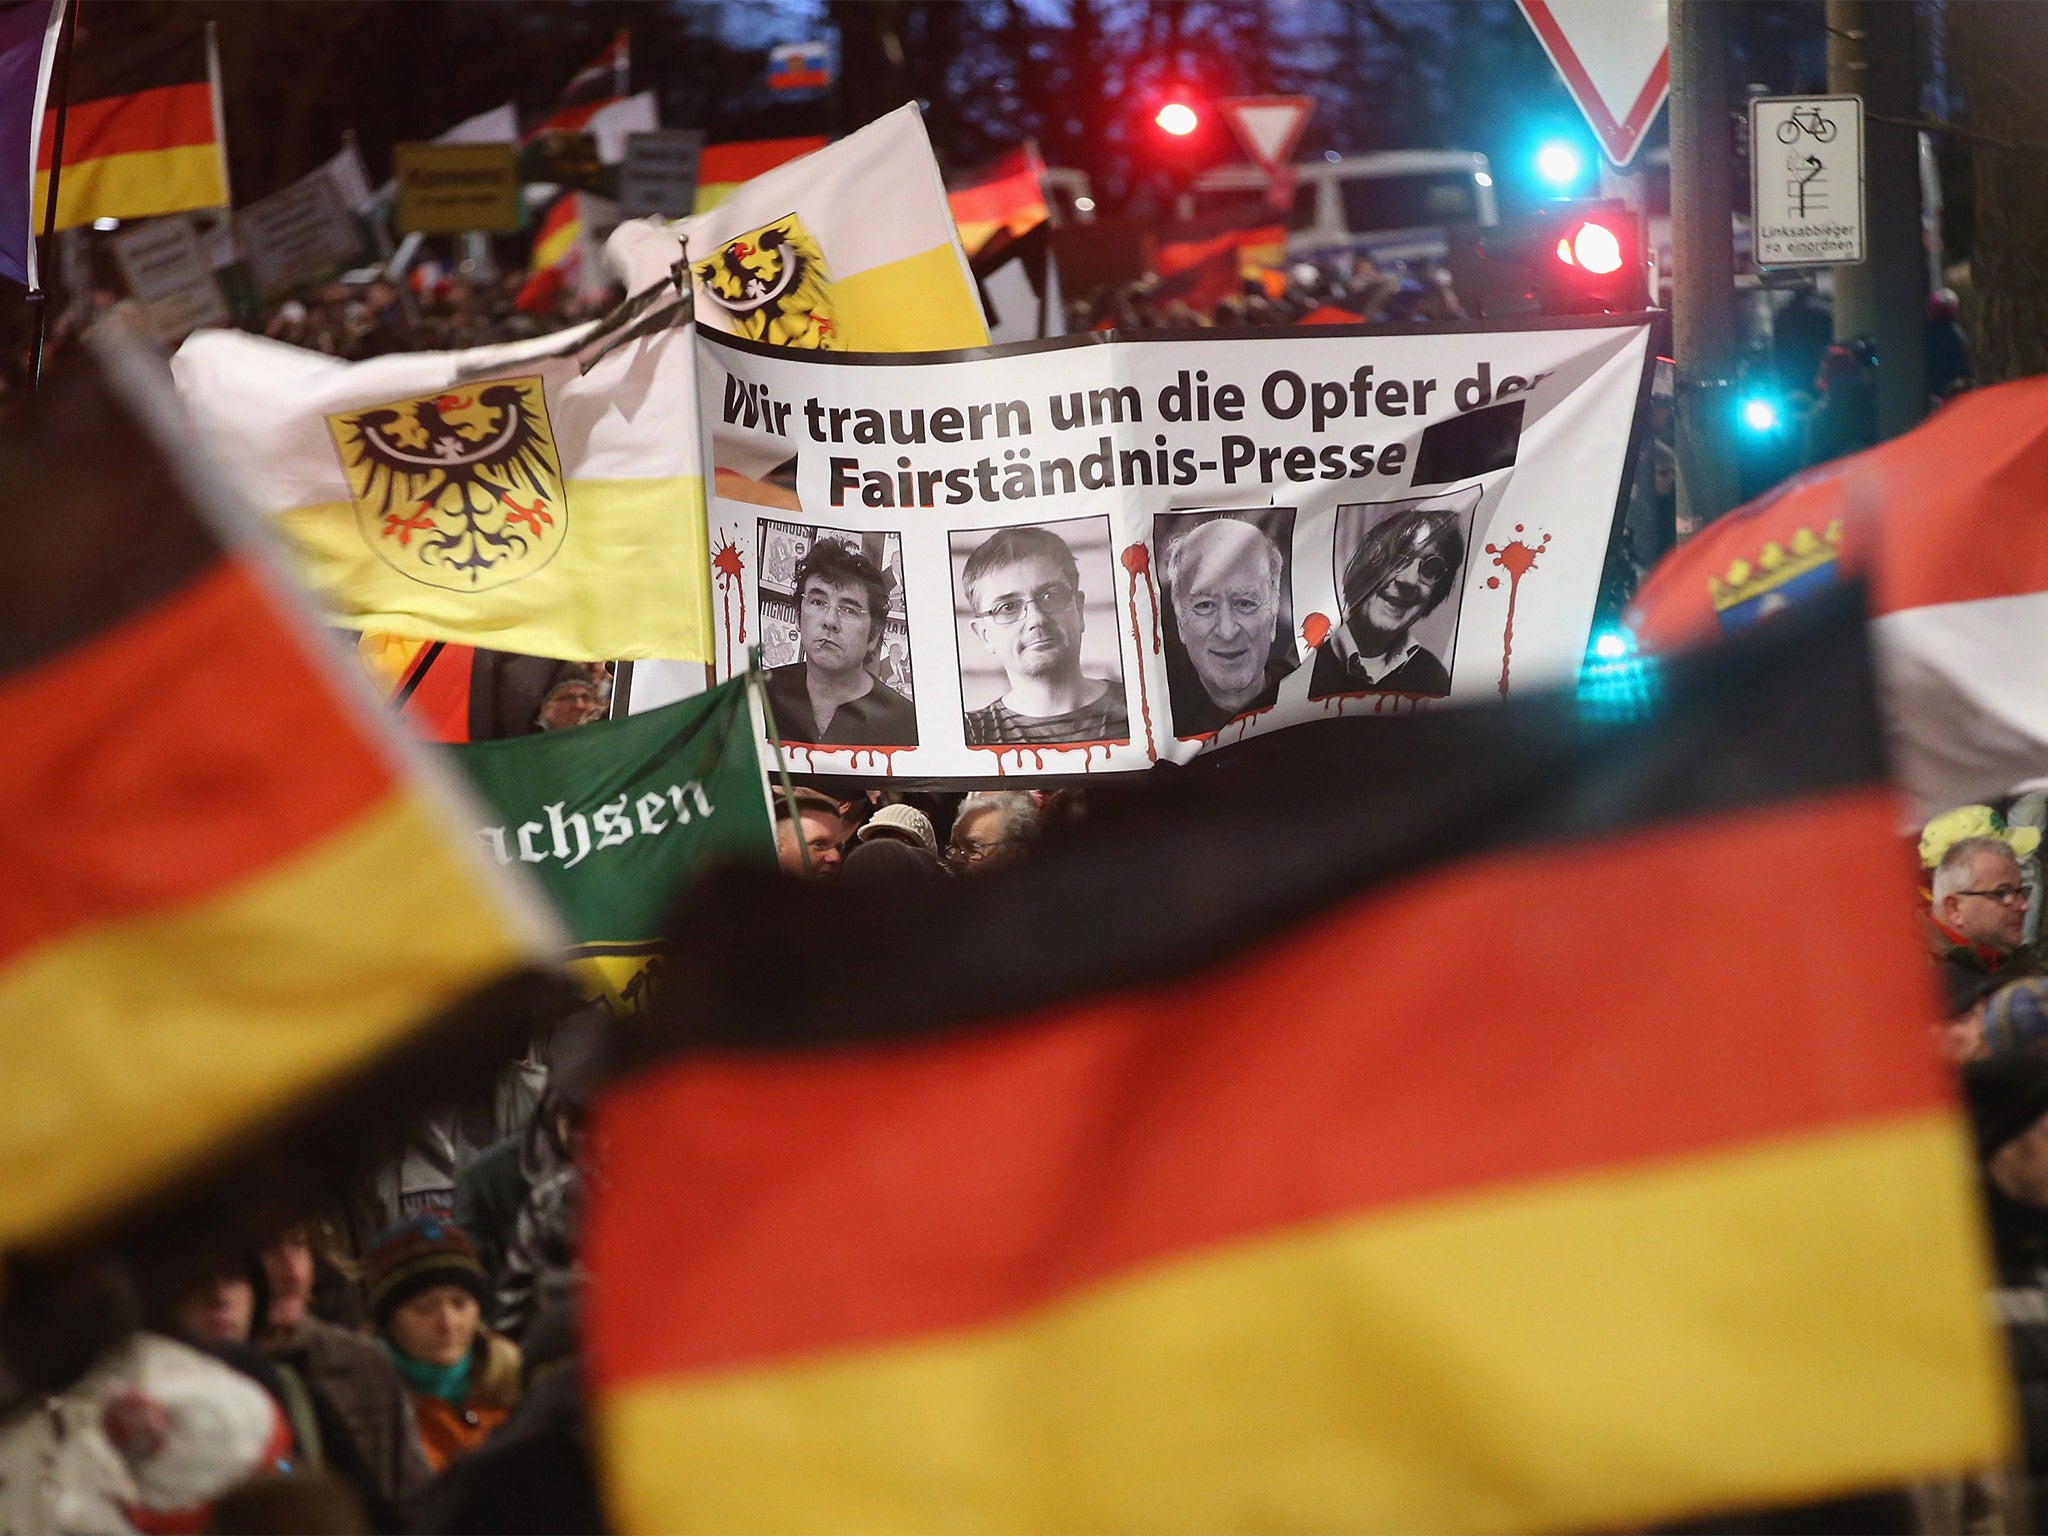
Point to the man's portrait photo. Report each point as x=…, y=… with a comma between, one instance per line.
x=1400, y=570
x=831, y=604
x=1040, y=663
x=1228, y=615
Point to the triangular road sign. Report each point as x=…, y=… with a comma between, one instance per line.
x=1267, y=126
x=1615, y=57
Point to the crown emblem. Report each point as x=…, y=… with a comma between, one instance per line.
x=1775, y=567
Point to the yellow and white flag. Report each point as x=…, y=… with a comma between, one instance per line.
x=499, y=497
x=849, y=249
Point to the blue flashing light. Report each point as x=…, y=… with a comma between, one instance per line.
x=1610, y=645
x=1560, y=164
x=1760, y=414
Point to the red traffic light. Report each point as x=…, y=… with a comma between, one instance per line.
x=1178, y=119
x=1593, y=247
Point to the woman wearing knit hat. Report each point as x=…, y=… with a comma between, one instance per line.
x=426, y=1293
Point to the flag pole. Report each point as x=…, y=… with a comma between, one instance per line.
x=755, y=681
x=36, y=295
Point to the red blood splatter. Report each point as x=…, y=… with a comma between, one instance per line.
x=1138, y=561
x=1393, y=702
x=1087, y=749
x=727, y=563
x=1243, y=723
x=1517, y=559
x=1315, y=629
x=1493, y=582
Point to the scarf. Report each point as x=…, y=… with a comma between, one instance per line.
x=450, y=1383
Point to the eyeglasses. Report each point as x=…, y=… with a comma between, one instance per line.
x=1053, y=597
x=973, y=853
x=2007, y=895
x=1431, y=568
x=846, y=607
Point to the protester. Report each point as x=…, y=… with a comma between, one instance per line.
x=815, y=829
x=354, y=1376
x=890, y=867
x=427, y=1292
x=539, y=1271
x=1980, y=908
x=990, y=830
x=833, y=696
x=903, y=824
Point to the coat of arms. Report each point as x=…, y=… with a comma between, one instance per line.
x=773, y=284
x=460, y=490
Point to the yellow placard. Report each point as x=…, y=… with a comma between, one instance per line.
x=449, y=189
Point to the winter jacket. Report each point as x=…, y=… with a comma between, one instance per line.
x=357, y=1379
x=449, y=1430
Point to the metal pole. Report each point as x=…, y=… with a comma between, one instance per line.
x=39, y=298
x=1704, y=333
x=1879, y=299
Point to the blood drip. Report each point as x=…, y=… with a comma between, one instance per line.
x=1138, y=561
x=1087, y=749
x=726, y=564
x=1315, y=629
x=1517, y=559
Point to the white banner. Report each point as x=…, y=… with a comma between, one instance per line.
x=301, y=234
x=1075, y=556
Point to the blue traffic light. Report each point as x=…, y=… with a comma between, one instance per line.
x=1560, y=164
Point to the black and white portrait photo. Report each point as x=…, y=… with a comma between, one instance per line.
x=1400, y=569
x=1035, y=609
x=834, y=637
x=1226, y=579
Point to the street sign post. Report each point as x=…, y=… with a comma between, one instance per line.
x=1806, y=180
x=1269, y=127
x=1615, y=59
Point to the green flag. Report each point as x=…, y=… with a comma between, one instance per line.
x=615, y=816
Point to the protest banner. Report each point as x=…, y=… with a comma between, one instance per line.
x=1168, y=1182
x=544, y=496
x=613, y=817
x=300, y=235
x=450, y=189
x=1093, y=555
x=167, y=271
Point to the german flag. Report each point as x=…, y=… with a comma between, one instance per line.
x=1422, y=1125
x=143, y=133
x=1008, y=195
x=228, y=905
x=722, y=168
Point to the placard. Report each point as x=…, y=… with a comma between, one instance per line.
x=450, y=189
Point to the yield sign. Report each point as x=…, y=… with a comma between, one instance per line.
x=1267, y=126
x=1615, y=57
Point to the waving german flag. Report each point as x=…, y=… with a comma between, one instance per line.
x=1418, y=1125
x=142, y=135
x=228, y=906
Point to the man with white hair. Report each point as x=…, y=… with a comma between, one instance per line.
x=1223, y=581
x=1980, y=907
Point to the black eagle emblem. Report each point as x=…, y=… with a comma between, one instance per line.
x=471, y=499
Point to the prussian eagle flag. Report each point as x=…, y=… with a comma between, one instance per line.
x=1411, y=1125
x=850, y=249
x=230, y=895
x=1943, y=524
x=544, y=497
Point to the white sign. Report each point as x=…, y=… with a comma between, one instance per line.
x=660, y=173
x=1055, y=559
x=168, y=273
x=299, y=235
x=1806, y=180
x=1615, y=59
x=1267, y=126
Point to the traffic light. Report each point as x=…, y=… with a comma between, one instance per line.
x=1583, y=258
x=1177, y=118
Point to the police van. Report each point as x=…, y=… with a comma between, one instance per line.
x=1393, y=204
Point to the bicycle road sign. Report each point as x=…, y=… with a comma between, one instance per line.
x=1806, y=180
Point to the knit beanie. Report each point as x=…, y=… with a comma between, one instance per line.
x=2006, y=1095
x=416, y=1256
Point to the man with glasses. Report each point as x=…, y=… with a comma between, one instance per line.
x=832, y=697
x=1400, y=573
x=1980, y=908
x=1024, y=590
